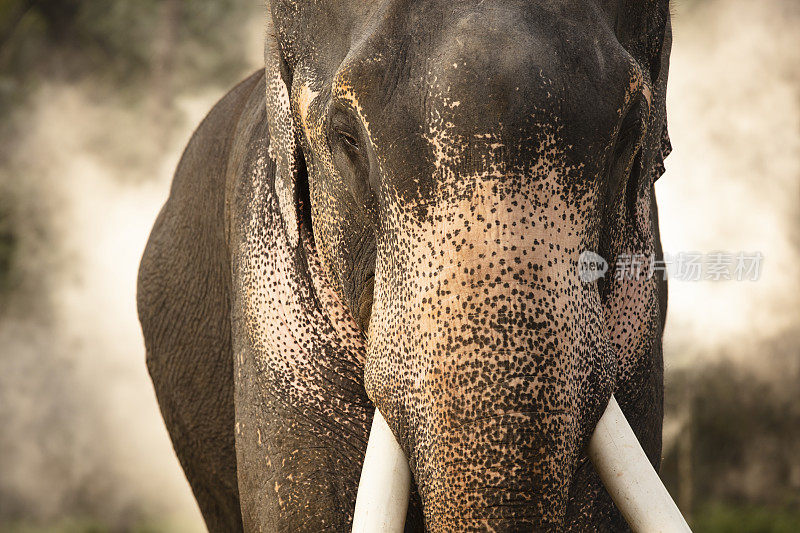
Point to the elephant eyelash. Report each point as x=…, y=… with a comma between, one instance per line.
x=349, y=139
x=344, y=127
x=350, y=145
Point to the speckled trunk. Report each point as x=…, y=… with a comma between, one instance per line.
x=488, y=355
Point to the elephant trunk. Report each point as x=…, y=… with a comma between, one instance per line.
x=489, y=359
x=507, y=472
x=619, y=459
x=488, y=356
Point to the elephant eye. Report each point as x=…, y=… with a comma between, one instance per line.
x=345, y=129
x=349, y=139
x=350, y=150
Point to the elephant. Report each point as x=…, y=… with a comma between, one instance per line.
x=390, y=216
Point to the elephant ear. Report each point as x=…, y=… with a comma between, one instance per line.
x=660, y=83
x=645, y=30
x=283, y=148
x=659, y=58
x=666, y=148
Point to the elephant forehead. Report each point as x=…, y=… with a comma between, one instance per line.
x=498, y=207
x=464, y=138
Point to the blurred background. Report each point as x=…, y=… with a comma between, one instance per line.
x=97, y=100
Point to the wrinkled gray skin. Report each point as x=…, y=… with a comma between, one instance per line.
x=391, y=215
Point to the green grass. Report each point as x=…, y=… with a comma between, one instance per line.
x=711, y=518
x=724, y=518
x=69, y=525
x=93, y=525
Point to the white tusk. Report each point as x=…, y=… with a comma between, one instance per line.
x=629, y=477
x=623, y=466
x=382, y=499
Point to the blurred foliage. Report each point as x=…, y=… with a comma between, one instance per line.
x=135, y=56
x=68, y=525
x=743, y=420
x=119, y=42
x=720, y=518
x=91, y=525
x=7, y=240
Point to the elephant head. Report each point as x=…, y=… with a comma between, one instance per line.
x=439, y=169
